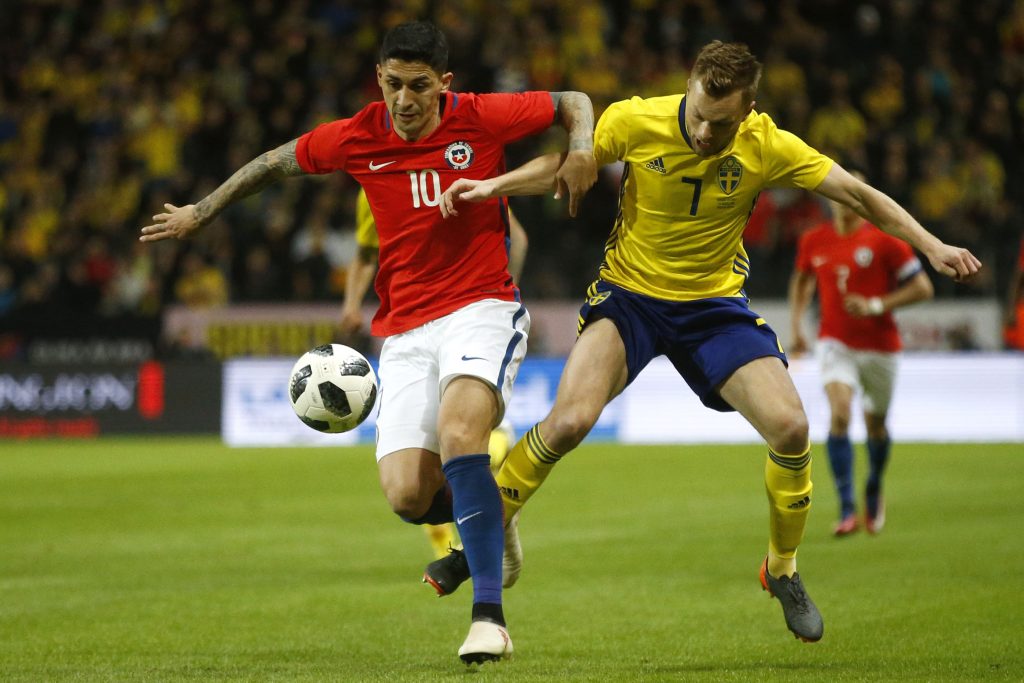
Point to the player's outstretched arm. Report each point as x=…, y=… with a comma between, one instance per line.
x=181, y=221
x=801, y=289
x=536, y=176
x=917, y=288
x=519, y=243
x=578, y=172
x=877, y=207
x=357, y=283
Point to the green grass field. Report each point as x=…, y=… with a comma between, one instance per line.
x=179, y=559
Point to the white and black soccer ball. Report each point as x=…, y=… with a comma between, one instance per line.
x=332, y=388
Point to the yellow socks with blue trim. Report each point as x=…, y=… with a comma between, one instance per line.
x=524, y=470
x=787, y=479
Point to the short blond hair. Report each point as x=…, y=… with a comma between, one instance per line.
x=723, y=68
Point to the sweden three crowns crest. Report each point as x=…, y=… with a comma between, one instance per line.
x=730, y=172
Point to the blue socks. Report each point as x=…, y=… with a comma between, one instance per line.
x=878, y=456
x=478, y=513
x=840, y=456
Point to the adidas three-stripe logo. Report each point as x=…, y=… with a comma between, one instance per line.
x=656, y=165
x=800, y=504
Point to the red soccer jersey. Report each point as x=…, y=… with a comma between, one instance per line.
x=430, y=266
x=867, y=262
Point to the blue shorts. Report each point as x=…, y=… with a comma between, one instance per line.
x=706, y=339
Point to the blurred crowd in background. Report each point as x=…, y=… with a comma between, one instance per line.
x=110, y=108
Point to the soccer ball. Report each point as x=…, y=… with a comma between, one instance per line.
x=332, y=388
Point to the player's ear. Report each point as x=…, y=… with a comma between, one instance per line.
x=446, y=81
x=380, y=76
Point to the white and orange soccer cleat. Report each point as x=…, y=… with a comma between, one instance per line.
x=846, y=526
x=486, y=642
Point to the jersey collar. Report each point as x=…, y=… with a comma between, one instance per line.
x=682, y=121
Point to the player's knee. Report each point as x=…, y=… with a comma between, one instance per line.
x=790, y=433
x=877, y=432
x=564, y=429
x=840, y=423
x=463, y=438
x=409, y=501
x=839, y=408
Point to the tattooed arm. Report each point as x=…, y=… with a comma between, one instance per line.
x=578, y=172
x=181, y=221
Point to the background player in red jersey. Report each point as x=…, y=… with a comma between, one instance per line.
x=455, y=329
x=861, y=274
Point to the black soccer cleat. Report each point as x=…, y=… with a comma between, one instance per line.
x=802, y=616
x=447, y=573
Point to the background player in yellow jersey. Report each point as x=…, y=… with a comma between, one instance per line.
x=357, y=283
x=672, y=284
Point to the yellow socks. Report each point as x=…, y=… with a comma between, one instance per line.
x=524, y=470
x=498, y=447
x=787, y=479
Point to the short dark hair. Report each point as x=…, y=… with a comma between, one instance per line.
x=723, y=68
x=416, y=41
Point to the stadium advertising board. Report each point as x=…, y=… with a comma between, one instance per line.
x=260, y=330
x=269, y=330
x=939, y=397
x=63, y=400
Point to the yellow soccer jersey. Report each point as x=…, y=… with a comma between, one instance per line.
x=366, y=228
x=679, y=231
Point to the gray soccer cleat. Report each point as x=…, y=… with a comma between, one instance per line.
x=802, y=617
x=486, y=642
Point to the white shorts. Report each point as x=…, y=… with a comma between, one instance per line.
x=486, y=339
x=873, y=372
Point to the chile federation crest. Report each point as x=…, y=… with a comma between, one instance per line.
x=459, y=155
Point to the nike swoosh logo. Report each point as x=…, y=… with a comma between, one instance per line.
x=473, y=358
x=377, y=167
x=460, y=520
